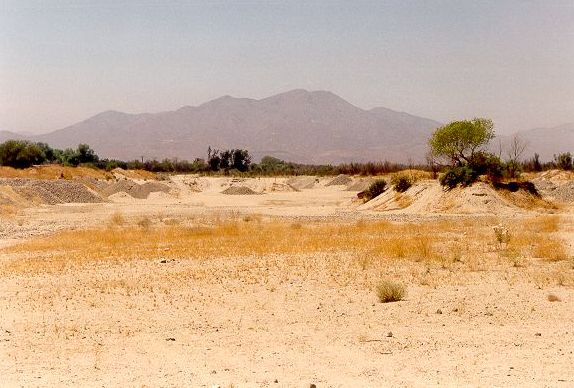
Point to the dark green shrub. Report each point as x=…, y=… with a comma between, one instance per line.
x=401, y=183
x=484, y=163
x=375, y=189
x=461, y=175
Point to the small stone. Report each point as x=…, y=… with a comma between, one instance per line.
x=439, y=311
x=538, y=334
x=163, y=261
x=312, y=386
x=390, y=334
x=276, y=381
x=170, y=339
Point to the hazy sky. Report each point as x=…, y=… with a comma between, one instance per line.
x=63, y=61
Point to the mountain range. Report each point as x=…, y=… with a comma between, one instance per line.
x=299, y=125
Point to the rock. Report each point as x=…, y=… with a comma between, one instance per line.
x=439, y=311
x=390, y=334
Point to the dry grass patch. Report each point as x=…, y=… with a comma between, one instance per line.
x=533, y=237
x=229, y=239
x=542, y=224
x=551, y=249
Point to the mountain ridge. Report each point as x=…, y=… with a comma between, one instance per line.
x=297, y=125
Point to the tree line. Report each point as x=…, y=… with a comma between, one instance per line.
x=23, y=154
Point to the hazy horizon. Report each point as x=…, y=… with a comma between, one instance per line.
x=512, y=61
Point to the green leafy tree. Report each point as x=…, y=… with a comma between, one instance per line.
x=86, y=154
x=240, y=160
x=20, y=154
x=458, y=141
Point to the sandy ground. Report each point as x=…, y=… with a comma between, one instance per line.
x=270, y=321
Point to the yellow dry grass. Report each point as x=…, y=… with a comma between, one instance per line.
x=535, y=237
x=136, y=174
x=378, y=240
x=53, y=172
x=63, y=172
x=373, y=244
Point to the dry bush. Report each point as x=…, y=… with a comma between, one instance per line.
x=144, y=222
x=117, y=219
x=389, y=291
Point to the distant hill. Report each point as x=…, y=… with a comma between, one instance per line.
x=7, y=135
x=300, y=126
x=549, y=141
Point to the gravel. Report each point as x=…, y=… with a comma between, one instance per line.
x=52, y=192
x=340, y=180
x=239, y=190
x=134, y=189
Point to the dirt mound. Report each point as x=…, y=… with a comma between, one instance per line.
x=302, y=182
x=280, y=187
x=134, y=189
x=239, y=190
x=360, y=184
x=429, y=197
x=340, y=180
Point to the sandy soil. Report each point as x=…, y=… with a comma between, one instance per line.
x=278, y=320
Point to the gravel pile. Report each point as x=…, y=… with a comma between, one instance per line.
x=564, y=193
x=281, y=187
x=302, y=182
x=239, y=190
x=134, y=189
x=360, y=185
x=52, y=191
x=559, y=190
x=340, y=180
